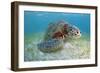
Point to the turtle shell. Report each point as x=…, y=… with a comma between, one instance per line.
x=50, y=45
x=55, y=30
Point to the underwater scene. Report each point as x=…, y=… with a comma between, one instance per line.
x=56, y=36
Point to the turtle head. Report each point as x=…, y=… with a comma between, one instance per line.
x=72, y=31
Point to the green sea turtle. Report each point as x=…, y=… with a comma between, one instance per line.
x=56, y=34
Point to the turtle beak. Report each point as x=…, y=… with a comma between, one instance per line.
x=79, y=35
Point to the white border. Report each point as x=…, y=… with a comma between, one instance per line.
x=23, y=64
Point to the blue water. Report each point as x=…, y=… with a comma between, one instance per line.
x=38, y=21
x=35, y=25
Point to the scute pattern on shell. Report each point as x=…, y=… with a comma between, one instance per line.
x=50, y=45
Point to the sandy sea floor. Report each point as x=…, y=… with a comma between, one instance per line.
x=74, y=49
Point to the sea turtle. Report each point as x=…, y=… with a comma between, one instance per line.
x=56, y=34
